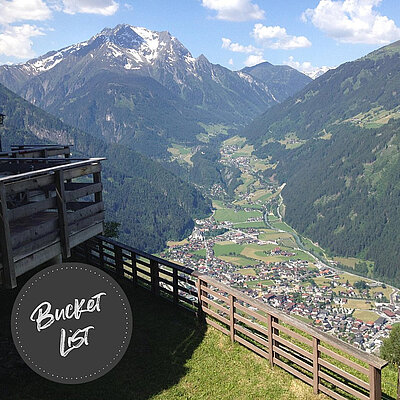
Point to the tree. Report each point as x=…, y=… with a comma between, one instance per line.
x=111, y=229
x=390, y=350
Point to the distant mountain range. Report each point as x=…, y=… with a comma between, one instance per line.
x=337, y=146
x=152, y=204
x=144, y=89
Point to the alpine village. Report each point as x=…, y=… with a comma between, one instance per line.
x=252, y=216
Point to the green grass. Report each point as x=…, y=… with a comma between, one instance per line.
x=255, y=225
x=225, y=249
x=265, y=282
x=239, y=260
x=201, y=252
x=229, y=214
x=171, y=356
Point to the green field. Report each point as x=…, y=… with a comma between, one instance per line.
x=201, y=252
x=239, y=260
x=229, y=214
x=227, y=249
x=266, y=282
x=255, y=225
x=366, y=316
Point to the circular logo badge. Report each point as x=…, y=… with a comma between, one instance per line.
x=71, y=323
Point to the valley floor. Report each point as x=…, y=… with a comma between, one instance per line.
x=246, y=244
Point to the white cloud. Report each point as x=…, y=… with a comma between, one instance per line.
x=353, y=21
x=102, y=7
x=16, y=41
x=239, y=48
x=276, y=37
x=230, y=62
x=307, y=68
x=254, y=59
x=235, y=10
x=20, y=10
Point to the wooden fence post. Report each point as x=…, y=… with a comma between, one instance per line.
x=270, y=341
x=9, y=275
x=119, y=266
x=155, y=284
x=62, y=214
x=375, y=383
x=232, y=317
x=101, y=253
x=316, y=356
x=134, y=269
x=175, y=292
x=200, y=313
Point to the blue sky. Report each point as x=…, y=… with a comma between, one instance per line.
x=305, y=34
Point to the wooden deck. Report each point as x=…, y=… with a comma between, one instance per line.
x=47, y=206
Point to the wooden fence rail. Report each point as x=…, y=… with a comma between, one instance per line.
x=327, y=364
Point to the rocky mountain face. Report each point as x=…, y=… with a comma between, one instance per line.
x=337, y=146
x=142, y=88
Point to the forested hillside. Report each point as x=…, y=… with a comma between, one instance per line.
x=151, y=203
x=336, y=145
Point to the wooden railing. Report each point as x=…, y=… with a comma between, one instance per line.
x=327, y=364
x=37, y=151
x=44, y=213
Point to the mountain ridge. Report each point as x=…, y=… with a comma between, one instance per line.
x=342, y=168
x=179, y=90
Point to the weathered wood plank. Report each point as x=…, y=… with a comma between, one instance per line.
x=217, y=326
x=292, y=346
x=251, y=346
x=251, y=335
x=32, y=208
x=343, y=386
x=83, y=191
x=344, y=374
x=9, y=273
x=375, y=383
x=293, y=334
x=315, y=371
x=343, y=360
x=293, y=371
x=331, y=393
x=215, y=294
x=216, y=316
x=294, y=359
x=90, y=210
x=254, y=314
x=251, y=324
x=62, y=214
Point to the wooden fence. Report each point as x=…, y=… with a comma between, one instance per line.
x=46, y=212
x=329, y=365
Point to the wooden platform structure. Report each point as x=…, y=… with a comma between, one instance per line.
x=328, y=364
x=49, y=203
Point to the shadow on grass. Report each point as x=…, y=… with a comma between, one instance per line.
x=164, y=337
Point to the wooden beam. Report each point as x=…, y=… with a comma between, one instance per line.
x=375, y=392
x=10, y=279
x=62, y=214
x=315, y=365
x=232, y=317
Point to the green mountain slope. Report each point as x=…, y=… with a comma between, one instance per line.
x=152, y=204
x=282, y=80
x=342, y=165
